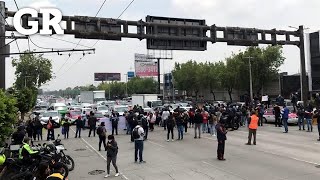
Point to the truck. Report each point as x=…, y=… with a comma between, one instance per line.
x=92, y=96
x=146, y=100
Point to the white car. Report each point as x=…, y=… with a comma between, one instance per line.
x=46, y=115
x=103, y=110
x=120, y=109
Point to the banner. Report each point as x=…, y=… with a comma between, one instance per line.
x=121, y=124
x=144, y=66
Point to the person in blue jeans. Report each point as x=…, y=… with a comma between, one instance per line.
x=317, y=115
x=300, y=113
x=308, y=116
x=285, y=117
x=180, y=125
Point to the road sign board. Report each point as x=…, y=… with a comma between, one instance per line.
x=107, y=76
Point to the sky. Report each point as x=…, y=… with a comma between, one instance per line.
x=118, y=56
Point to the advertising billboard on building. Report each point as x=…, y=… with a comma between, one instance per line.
x=130, y=74
x=145, y=67
x=107, y=76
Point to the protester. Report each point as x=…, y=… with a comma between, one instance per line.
x=112, y=152
x=102, y=133
x=185, y=118
x=170, y=125
x=260, y=114
x=253, y=126
x=179, y=123
x=164, y=117
x=300, y=113
x=66, y=127
x=277, y=113
x=114, y=123
x=212, y=123
x=133, y=125
x=25, y=152
x=92, y=122
x=244, y=115
x=29, y=128
x=191, y=117
x=308, y=116
x=79, y=125
x=38, y=127
x=138, y=135
x=205, y=116
x=50, y=128
x=151, y=120
x=43, y=171
x=221, y=137
x=317, y=115
x=285, y=117
x=18, y=135
x=198, y=119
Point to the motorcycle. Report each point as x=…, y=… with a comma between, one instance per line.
x=231, y=122
x=65, y=159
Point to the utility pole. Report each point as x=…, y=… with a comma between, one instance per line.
x=303, y=76
x=126, y=85
x=2, y=44
x=250, y=74
x=159, y=83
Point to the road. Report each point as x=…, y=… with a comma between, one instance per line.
x=276, y=156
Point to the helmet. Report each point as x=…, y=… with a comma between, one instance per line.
x=2, y=159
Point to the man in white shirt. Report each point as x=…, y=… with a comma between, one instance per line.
x=138, y=144
x=164, y=117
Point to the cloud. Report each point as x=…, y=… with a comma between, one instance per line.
x=37, y=4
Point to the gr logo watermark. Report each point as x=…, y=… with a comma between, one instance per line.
x=47, y=21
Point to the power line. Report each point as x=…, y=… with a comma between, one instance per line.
x=80, y=41
x=68, y=41
x=16, y=4
x=45, y=47
x=117, y=18
x=7, y=44
x=12, y=33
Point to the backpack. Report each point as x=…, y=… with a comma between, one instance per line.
x=99, y=131
x=144, y=122
x=135, y=133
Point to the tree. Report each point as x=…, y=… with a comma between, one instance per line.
x=26, y=98
x=8, y=115
x=32, y=70
x=139, y=85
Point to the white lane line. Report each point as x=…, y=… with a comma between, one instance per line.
x=221, y=169
x=97, y=152
x=155, y=143
x=89, y=148
x=267, y=152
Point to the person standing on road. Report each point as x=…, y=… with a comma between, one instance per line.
x=102, y=133
x=185, y=118
x=253, y=126
x=221, y=137
x=133, y=125
x=213, y=123
x=198, y=119
x=205, y=116
x=261, y=113
x=191, y=117
x=112, y=152
x=50, y=129
x=179, y=123
x=164, y=117
x=92, y=122
x=66, y=127
x=300, y=113
x=151, y=120
x=138, y=135
x=79, y=125
x=38, y=128
x=145, y=124
x=308, y=116
x=285, y=117
x=114, y=122
x=317, y=115
x=170, y=125
x=277, y=113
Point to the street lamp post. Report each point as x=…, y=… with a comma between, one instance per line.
x=250, y=74
x=126, y=85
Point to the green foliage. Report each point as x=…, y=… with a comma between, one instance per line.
x=139, y=85
x=32, y=70
x=231, y=74
x=26, y=98
x=8, y=115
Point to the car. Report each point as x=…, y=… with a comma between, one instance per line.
x=120, y=109
x=73, y=108
x=60, y=107
x=86, y=105
x=46, y=115
x=102, y=109
x=98, y=115
x=186, y=108
x=269, y=117
x=216, y=103
x=73, y=115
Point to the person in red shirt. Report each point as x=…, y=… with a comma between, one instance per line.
x=205, y=116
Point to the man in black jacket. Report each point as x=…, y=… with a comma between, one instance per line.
x=92, y=122
x=114, y=122
x=221, y=136
x=277, y=113
x=79, y=125
x=112, y=152
x=197, y=121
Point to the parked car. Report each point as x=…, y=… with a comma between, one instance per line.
x=46, y=115
x=102, y=109
x=120, y=109
x=73, y=115
x=269, y=117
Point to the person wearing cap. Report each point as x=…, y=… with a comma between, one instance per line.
x=112, y=152
x=25, y=152
x=79, y=125
x=102, y=133
x=221, y=137
x=57, y=172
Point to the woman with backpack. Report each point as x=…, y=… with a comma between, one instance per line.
x=112, y=152
x=102, y=133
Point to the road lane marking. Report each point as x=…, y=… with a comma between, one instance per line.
x=155, y=143
x=293, y=158
x=97, y=152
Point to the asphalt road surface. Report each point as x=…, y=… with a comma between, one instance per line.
x=293, y=156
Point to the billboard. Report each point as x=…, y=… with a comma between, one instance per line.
x=145, y=67
x=107, y=76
